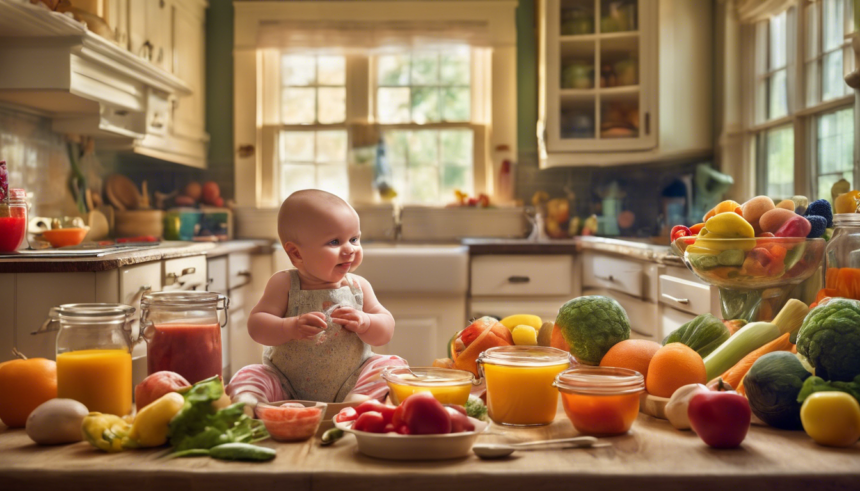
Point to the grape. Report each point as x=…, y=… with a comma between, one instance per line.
x=4, y=181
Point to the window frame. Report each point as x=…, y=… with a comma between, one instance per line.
x=802, y=116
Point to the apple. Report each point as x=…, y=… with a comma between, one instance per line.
x=156, y=385
x=721, y=419
x=211, y=192
x=193, y=190
x=424, y=415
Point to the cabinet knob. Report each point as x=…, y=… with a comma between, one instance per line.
x=609, y=278
x=518, y=279
x=682, y=301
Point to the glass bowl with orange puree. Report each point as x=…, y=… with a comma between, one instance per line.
x=601, y=401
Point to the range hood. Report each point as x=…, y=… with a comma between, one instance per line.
x=54, y=65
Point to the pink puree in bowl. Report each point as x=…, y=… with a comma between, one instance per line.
x=290, y=422
x=12, y=230
x=191, y=350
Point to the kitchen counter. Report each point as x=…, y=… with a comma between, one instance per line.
x=119, y=259
x=652, y=250
x=654, y=456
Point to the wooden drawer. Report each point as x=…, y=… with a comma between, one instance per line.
x=687, y=296
x=641, y=313
x=671, y=319
x=613, y=273
x=187, y=273
x=217, y=274
x=521, y=275
x=239, y=270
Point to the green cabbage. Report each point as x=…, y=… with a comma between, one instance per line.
x=830, y=339
x=591, y=325
x=703, y=334
x=772, y=386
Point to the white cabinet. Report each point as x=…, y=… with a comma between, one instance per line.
x=188, y=63
x=683, y=297
x=423, y=325
x=624, y=81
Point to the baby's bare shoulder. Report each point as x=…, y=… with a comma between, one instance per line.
x=280, y=279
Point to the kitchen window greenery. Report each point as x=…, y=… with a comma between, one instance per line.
x=801, y=116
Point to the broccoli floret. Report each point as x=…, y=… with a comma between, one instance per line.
x=475, y=408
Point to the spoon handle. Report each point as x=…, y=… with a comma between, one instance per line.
x=586, y=440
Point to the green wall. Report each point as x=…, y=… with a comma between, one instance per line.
x=527, y=74
x=219, y=92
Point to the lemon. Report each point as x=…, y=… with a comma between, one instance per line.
x=513, y=321
x=524, y=335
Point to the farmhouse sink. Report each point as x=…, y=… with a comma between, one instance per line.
x=397, y=268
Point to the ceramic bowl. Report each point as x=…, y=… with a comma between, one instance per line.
x=63, y=237
x=332, y=408
x=293, y=424
x=392, y=446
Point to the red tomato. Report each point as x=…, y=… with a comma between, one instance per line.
x=374, y=405
x=346, y=414
x=424, y=415
x=389, y=428
x=721, y=419
x=211, y=191
x=458, y=408
x=397, y=418
x=459, y=421
x=679, y=231
x=371, y=422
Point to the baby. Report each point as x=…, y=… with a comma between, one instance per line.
x=318, y=321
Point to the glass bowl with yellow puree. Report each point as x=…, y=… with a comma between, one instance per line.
x=448, y=386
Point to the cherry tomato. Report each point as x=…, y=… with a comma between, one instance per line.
x=679, y=231
x=374, y=405
x=346, y=414
x=371, y=422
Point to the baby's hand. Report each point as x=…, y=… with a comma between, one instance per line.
x=351, y=319
x=308, y=325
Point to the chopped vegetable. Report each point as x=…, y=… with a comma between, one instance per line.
x=735, y=375
x=749, y=338
x=475, y=408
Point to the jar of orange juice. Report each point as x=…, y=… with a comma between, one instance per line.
x=519, y=380
x=601, y=401
x=183, y=332
x=94, y=355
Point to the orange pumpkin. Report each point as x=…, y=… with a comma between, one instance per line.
x=24, y=385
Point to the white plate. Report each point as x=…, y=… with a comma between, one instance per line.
x=393, y=446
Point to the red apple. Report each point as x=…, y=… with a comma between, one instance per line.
x=424, y=415
x=156, y=385
x=211, y=192
x=193, y=190
x=721, y=419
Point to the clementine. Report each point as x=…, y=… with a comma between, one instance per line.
x=634, y=354
x=674, y=366
x=24, y=385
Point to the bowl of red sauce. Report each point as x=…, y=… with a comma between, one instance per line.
x=600, y=401
x=292, y=421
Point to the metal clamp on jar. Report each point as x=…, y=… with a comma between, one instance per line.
x=182, y=330
x=93, y=354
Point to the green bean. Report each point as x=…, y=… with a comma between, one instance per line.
x=331, y=435
x=242, y=451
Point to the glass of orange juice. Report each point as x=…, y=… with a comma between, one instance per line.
x=448, y=386
x=601, y=401
x=519, y=380
x=94, y=355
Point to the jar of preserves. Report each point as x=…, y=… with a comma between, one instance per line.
x=94, y=354
x=13, y=220
x=601, y=401
x=183, y=332
x=842, y=259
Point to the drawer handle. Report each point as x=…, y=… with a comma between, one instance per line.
x=518, y=279
x=173, y=277
x=682, y=301
x=605, y=278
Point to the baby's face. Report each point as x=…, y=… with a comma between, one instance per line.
x=331, y=248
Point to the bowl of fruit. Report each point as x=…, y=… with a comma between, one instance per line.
x=755, y=253
x=420, y=428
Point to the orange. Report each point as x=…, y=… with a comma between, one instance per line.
x=557, y=339
x=634, y=354
x=24, y=386
x=674, y=366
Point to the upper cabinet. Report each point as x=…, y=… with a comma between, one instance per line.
x=624, y=81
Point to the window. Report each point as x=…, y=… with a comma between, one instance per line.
x=812, y=115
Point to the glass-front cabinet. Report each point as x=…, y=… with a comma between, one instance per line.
x=599, y=75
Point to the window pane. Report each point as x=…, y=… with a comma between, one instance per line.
x=423, y=148
x=835, y=149
x=425, y=69
x=825, y=184
x=777, y=41
x=298, y=70
x=296, y=177
x=779, y=162
x=332, y=70
x=833, y=19
x=331, y=146
x=455, y=178
x=425, y=105
x=423, y=185
x=832, y=83
x=455, y=67
x=456, y=104
x=393, y=105
x=456, y=147
x=297, y=146
x=332, y=178
x=812, y=79
x=393, y=69
x=813, y=30
x=777, y=96
x=298, y=105
x=332, y=105
x=396, y=146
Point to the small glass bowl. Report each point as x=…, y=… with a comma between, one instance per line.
x=448, y=386
x=601, y=401
x=291, y=424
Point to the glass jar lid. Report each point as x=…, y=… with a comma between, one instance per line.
x=524, y=356
x=94, y=310
x=846, y=220
x=427, y=376
x=182, y=299
x=600, y=381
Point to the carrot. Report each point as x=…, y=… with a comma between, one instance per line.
x=734, y=376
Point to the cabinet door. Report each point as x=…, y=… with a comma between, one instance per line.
x=137, y=37
x=423, y=326
x=188, y=62
x=600, y=77
x=159, y=31
x=116, y=15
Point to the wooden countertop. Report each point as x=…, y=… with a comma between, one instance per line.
x=654, y=456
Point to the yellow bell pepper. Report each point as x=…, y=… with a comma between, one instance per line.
x=106, y=431
x=150, y=425
x=730, y=226
x=831, y=418
x=847, y=202
x=724, y=226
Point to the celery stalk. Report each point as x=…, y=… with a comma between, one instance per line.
x=749, y=338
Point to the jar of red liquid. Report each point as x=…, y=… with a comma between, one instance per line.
x=183, y=332
x=13, y=220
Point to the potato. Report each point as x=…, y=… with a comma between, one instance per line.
x=772, y=220
x=786, y=204
x=753, y=210
x=57, y=421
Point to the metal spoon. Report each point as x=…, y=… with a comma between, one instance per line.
x=499, y=450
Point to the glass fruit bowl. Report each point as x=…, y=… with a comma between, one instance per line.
x=755, y=276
